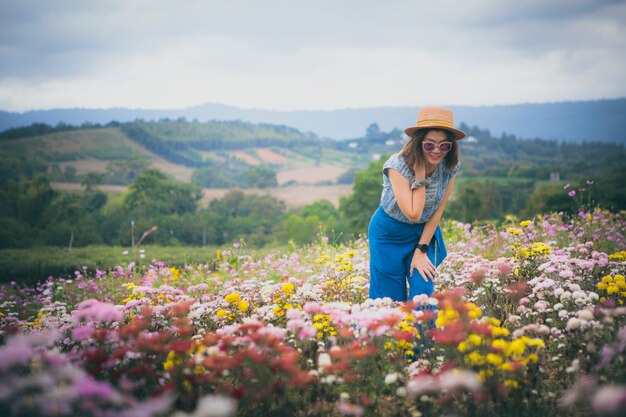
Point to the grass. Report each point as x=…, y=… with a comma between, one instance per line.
x=37, y=263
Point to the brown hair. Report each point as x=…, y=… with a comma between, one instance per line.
x=412, y=151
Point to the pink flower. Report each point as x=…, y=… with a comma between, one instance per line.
x=572, y=193
x=609, y=399
x=82, y=332
x=350, y=409
x=312, y=308
x=566, y=186
x=94, y=310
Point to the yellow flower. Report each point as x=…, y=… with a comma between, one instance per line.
x=494, y=359
x=511, y=383
x=492, y=321
x=499, y=331
x=516, y=347
x=475, y=358
x=175, y=272
x=279, y=311
x=232, y=298
x=243, y=306
x=607, y=279
x=499, y=344
x=514, y=231
x=484, y=374
x=474, y=311
x=221, y=313
x=525, y=223
x=532, y=358
x=474, y=339
x=618, y=256
x=507, y=366
x=288, y=288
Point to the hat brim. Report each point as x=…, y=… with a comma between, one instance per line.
x=458, y=134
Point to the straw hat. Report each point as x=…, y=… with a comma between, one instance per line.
x=435, y=118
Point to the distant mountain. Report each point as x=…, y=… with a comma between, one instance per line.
x=599, y=120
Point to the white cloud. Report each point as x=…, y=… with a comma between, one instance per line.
x=308, y=55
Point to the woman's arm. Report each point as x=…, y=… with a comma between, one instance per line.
x=420, y=260
x=410, y=202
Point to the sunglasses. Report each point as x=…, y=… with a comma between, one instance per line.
x=430, y=146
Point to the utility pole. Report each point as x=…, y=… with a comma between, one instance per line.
x=132, y=238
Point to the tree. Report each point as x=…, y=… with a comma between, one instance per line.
x=372, y=130
x=91, y=179
x=357, y=208
x=261, y=176
x=153, y=193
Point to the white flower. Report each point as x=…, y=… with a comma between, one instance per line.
x=514, y=319
x=585, y=315
x=563, y=314
x=323, y=361
x=214, y=406
x=391, y=378
x=557, y=306
x=574, y=367
x=578, y=294
x=330, y=379
x=573, y=323
x=422, y=384
x=459, y=379
x=580, y=301
x=566, y=296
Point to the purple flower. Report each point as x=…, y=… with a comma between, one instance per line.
x=17, y=351
x=89, y=387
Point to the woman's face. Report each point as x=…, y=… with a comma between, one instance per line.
x=435, y=155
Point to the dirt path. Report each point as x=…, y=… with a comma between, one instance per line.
x=294, y=197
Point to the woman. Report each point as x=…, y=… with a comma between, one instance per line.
x=404, y=235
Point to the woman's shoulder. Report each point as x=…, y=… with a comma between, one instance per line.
x=396, y=162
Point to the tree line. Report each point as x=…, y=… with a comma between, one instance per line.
x=33, y=214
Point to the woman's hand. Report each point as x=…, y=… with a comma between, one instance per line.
x=420, y=171
x=424, y=266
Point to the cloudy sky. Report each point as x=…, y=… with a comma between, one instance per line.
x=317, y=54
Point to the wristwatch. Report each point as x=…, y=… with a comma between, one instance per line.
x=415, y=184
x=423, y=247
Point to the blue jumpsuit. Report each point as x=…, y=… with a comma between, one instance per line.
x=392, y=237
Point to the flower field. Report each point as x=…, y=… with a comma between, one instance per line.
x=528, y=319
